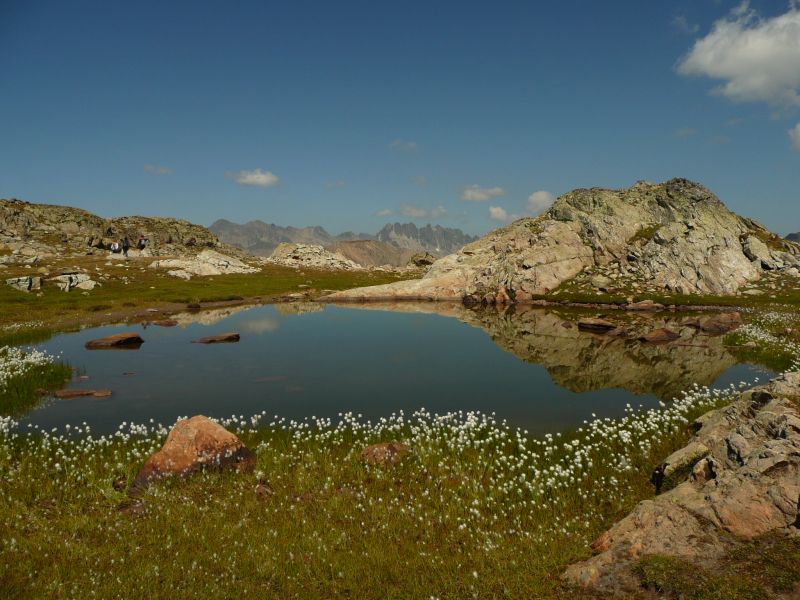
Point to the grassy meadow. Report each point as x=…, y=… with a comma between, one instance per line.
x=478, y=509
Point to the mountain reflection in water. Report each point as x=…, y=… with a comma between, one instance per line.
x=580, y=361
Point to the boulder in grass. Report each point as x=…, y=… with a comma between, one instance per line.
x=659, y=335
x=193, y=445
x=596, y=325
x=387, y=453
x=222, y=338
x=126, y=341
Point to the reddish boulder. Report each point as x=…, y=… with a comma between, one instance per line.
x=127, y=341
x=193, y=445
x=218, y=339
x=717, y=324
x=385, y=453
x=659, y=335
x=595, y=325
x=165, y=323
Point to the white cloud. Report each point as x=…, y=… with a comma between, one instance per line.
x=421, y=180
x=332, y=185
x=794, y=135
x=405, y=145
x=682, y=25
x=386, y=212
x=475, y=193
x=684, y=132
x=259, y=326
x=256, y=178
x=498, y=213
x=157, y=169
x=416, y=212
x=757, y=59
x=541, y=200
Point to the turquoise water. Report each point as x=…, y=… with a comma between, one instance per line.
x=528, y=368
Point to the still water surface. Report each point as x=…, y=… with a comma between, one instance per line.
x=531, y=367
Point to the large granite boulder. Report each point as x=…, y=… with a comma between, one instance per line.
x=193, y=445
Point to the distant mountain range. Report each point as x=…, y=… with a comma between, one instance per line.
x=262, y=238
x=793, y=237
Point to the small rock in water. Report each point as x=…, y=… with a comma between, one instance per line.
x=69, y=394
x=130, y=341
x=659, y=335
x=218, y=339
x=596, y=325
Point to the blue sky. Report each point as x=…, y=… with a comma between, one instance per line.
x=352, y=114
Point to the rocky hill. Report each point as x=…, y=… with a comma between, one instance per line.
x=793, y=237
x=262, y=238
x=47, y=229
x=674, y=237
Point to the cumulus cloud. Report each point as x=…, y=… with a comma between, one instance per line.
x=386, y=212
x=157, y=169
x=794, y=135
x=541, y=200
x=757, y=59
x=682, y=25
x=332, y=185
x=498, y=213
x=259, y=326
x=476, y=193
x=684, y=132
x=404, y=145
x=416, y=212
x=255, y=178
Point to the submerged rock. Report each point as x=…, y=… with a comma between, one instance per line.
x=69, y=394
x=193, y=445
x=660, y=335
x=596, y=325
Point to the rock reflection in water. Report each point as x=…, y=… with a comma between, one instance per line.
x=581, y=361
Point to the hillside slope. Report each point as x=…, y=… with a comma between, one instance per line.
x=674, y=237
x=45, y=229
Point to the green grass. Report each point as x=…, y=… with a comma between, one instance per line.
x=477, y=510
x=55, y=310
x=645, y=234
x=753, y=570
x=22, y=393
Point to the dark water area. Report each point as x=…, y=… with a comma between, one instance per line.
x=532, y=367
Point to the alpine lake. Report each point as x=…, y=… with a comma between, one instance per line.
x=530, y=366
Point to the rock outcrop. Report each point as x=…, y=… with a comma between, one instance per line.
x=743, y=482
x=311, y=257
x=193, y=445
x=206, y=263
x=32, y=231
x=675, y=237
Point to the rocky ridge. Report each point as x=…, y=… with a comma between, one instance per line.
x=30, y=231
x=402, y=239
x=674, y=237
x=743, y=481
